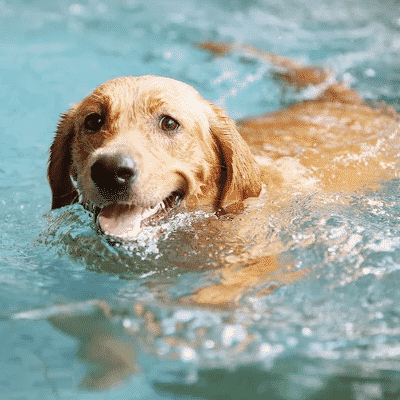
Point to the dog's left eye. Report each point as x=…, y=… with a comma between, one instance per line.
x=168, y=124
x=93, y=122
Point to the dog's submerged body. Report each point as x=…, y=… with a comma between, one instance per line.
x=138, y=147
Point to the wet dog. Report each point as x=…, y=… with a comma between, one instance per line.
x=139, y=147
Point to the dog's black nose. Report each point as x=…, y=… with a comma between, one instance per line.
x=113, y=173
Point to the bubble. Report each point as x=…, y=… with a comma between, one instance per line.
x=233, y=333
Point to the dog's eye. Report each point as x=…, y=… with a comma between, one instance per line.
x=93, y=122
x=168, y=124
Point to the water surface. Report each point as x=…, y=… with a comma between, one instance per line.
x=319, y=316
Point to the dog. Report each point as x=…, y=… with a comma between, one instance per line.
x=138, y=147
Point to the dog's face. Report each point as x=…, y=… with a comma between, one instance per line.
x=138, y=147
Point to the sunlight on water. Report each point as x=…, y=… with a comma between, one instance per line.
x=299, y=301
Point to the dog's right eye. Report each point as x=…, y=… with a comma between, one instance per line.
x=93, y=122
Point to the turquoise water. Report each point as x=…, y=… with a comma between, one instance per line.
x=334, y=334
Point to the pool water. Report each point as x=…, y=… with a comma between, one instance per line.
x=85, y=319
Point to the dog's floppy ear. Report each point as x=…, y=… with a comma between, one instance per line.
x=60, y=161
x=240, y=176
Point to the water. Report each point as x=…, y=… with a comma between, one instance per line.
x=317, y=316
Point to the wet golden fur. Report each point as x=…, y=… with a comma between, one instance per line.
x=334, y=143
x=207, y=157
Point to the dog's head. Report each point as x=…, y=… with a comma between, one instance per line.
x=139, y=146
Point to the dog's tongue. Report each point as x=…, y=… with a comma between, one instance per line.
x=123, y=220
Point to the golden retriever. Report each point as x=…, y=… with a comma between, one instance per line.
x=138, y=147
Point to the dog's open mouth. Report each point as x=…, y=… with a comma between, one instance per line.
x=125, y=221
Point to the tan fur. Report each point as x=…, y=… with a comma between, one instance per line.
x=207, y=158
x=60, y=162
x=335, y=143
